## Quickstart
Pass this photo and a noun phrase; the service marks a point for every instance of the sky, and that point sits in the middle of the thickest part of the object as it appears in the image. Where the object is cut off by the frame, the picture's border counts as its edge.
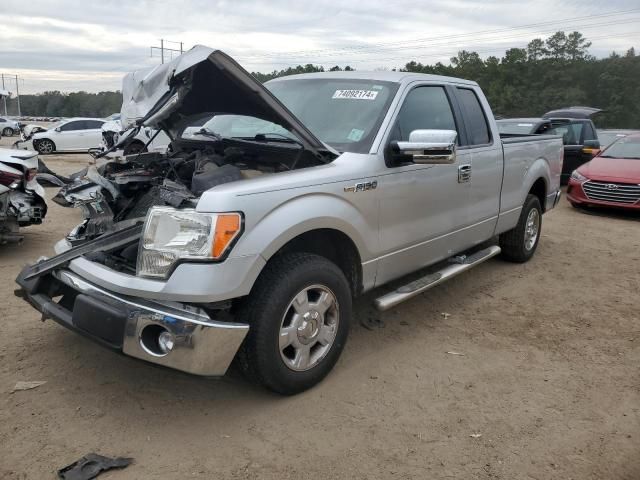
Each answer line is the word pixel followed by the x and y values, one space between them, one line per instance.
pixel 72 45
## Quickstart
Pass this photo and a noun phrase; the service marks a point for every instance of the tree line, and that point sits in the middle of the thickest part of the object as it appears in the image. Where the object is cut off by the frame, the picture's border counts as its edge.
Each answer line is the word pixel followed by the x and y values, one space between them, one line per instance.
pixel 548 73
pixel 76 104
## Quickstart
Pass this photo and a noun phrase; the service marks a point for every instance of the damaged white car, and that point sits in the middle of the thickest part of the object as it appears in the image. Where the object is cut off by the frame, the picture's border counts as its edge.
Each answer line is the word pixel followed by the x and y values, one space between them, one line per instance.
pixel 144 139
pixel 22 198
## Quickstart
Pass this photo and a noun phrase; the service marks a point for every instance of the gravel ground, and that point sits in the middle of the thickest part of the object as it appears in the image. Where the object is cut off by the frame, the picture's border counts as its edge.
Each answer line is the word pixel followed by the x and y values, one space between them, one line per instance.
pixel 547 385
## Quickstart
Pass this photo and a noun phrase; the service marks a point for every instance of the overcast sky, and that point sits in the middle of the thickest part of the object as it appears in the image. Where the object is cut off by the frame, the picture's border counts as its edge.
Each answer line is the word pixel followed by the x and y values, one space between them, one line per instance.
pixel 74 45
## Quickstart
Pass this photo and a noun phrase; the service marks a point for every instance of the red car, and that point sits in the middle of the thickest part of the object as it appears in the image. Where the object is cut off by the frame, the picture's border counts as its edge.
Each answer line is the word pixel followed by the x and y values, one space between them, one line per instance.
pixel 611 179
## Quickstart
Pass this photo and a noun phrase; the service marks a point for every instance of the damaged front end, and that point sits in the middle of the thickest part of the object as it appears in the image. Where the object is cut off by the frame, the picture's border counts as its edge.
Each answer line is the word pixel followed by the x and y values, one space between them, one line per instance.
pixel 108 280
pixel 224 127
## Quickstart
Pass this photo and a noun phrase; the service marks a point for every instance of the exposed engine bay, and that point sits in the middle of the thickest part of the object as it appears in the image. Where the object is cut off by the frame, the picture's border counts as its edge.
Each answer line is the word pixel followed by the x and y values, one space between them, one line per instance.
pixel 124 189
pixel 223 126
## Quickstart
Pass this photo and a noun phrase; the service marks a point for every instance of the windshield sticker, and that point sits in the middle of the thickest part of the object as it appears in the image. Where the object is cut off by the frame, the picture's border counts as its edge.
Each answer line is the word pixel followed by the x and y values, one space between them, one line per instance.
pixel 356 94
pixel 355 135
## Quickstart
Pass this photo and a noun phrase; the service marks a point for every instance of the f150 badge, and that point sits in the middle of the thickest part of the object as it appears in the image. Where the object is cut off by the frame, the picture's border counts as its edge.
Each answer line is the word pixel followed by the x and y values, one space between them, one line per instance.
pixel 362 187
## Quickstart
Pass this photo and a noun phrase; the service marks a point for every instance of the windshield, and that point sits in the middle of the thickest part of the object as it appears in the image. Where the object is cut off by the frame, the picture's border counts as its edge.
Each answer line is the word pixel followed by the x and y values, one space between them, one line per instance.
pixel 234 126
pixel 624 148
pixel 344 113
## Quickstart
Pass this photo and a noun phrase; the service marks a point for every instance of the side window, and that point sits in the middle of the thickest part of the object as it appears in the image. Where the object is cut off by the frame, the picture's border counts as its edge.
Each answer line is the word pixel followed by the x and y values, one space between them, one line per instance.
pixel 424 108
pixel 67 127
pixel 93 124
pixel 2 120
pixel 474 118
pixel 571 133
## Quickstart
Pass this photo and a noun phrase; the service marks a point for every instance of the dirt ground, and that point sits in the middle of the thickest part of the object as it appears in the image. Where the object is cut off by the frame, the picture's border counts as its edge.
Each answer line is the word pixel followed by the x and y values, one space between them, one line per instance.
pixel 547 386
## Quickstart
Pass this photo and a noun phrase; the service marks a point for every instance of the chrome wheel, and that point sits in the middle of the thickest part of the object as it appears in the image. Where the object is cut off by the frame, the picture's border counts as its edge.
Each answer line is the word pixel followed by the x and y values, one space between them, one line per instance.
pixel 308 328
pixel 45 146
pixel 532 228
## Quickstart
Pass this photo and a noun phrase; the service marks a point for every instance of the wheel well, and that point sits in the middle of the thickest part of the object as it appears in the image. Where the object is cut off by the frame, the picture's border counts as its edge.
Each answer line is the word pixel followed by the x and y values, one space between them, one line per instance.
pixel 539 189
pixel 334 246
pixel 136 142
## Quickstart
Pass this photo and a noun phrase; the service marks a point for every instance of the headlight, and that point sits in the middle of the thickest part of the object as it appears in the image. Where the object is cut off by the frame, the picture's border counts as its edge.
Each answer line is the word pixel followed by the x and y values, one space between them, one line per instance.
pixel 578 177
pixel 171 235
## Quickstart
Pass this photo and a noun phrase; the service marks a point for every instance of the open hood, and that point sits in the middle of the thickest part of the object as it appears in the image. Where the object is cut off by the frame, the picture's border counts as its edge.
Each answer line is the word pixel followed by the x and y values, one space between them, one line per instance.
pixel 203 80
pixel 572 112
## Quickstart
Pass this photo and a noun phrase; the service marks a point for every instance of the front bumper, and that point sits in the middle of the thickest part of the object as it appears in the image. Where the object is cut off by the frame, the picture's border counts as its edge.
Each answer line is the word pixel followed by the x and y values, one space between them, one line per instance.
pixel 190 282
pixel 203 346
pixel 577 196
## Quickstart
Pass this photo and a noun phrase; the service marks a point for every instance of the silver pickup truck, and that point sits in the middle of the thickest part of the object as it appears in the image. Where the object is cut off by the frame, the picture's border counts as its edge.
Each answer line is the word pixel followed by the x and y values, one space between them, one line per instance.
pixel 278 204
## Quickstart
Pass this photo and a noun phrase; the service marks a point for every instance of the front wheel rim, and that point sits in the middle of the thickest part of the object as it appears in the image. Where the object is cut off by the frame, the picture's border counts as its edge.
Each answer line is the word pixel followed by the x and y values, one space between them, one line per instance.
pixel 308 328
pixel 46 147
pixel 532 228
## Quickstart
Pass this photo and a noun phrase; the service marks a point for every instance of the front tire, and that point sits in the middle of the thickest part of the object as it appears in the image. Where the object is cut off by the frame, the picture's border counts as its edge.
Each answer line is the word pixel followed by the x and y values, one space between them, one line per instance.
pixel 7 132
pixel 519 244
pixel 298 313
pixel 45 146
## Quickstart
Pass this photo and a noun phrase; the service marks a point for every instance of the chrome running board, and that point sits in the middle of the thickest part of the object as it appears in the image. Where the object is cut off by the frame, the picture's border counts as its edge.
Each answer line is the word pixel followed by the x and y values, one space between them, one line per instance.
pixel 458 264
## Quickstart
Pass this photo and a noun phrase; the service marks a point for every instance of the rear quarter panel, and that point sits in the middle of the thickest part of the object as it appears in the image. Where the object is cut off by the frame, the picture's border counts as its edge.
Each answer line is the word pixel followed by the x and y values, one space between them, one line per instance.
pixel 527 159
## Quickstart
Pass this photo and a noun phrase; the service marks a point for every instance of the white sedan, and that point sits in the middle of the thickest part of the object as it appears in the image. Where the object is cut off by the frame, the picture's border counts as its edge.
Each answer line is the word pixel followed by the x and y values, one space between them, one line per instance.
pixel 71 135
pixel 8 127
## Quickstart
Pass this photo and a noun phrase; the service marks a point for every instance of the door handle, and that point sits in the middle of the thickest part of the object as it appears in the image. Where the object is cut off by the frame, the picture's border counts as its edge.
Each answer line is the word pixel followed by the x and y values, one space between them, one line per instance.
pixel 464 173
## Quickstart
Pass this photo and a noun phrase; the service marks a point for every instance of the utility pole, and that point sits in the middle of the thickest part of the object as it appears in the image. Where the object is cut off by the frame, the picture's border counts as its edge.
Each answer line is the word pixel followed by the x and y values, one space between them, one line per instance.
pixel 4 99
pixel 18 97
pixel 164 49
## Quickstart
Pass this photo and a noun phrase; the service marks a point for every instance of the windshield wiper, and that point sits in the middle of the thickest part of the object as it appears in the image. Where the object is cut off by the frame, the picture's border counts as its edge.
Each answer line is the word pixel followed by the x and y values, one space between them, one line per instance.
pixel 262 137
pixel 205 132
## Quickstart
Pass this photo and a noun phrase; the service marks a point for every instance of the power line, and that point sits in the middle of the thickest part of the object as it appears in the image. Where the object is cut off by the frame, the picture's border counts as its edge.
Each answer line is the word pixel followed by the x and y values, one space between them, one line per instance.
pixel 452 53
pixel 501 37
pixel 443 37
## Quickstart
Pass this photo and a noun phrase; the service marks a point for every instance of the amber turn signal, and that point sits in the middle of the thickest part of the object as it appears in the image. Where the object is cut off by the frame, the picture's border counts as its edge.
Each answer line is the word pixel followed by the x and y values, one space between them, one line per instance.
pixel 227 229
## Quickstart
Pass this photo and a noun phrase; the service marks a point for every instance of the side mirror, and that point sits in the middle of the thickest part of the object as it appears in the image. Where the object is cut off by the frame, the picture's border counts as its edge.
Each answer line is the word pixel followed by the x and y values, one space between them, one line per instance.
pixel 591 147
pixel 57 129
pixel 429 147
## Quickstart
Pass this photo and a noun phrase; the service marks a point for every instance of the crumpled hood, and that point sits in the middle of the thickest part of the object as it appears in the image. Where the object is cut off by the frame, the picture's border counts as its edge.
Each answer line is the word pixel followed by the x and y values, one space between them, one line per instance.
pixel 112 126
pixel 200 81
pixel 29 129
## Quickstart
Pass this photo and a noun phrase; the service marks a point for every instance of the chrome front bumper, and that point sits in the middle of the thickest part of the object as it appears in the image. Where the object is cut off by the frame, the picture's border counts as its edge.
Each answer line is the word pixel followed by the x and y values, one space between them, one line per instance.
pixel 203 346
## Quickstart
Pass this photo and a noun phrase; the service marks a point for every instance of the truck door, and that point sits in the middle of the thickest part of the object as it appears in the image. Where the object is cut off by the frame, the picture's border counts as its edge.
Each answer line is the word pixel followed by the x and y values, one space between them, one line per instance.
pixel 483 172
pixel 423 208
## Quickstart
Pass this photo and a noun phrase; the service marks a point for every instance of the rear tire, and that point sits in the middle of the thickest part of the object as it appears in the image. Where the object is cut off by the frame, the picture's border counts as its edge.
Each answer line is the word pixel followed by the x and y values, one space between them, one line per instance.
pixel 45 146
pixel 519 244
pixel 7 132
pixel 298 313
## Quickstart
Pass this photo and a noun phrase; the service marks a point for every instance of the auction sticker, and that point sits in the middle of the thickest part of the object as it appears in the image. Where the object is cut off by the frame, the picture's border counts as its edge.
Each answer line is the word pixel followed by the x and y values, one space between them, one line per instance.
pixel 356 94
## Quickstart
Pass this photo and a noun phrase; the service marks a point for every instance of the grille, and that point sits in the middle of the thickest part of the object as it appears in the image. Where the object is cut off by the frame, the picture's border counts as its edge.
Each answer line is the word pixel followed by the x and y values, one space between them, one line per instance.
pixel 612 192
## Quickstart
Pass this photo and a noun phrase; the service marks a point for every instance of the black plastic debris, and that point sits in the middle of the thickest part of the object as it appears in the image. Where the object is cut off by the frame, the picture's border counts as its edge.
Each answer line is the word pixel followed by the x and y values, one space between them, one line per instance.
pixel 90 466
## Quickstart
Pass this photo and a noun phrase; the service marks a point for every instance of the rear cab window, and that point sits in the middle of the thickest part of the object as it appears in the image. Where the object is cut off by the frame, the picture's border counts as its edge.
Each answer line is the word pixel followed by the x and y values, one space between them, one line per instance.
pixel 475 120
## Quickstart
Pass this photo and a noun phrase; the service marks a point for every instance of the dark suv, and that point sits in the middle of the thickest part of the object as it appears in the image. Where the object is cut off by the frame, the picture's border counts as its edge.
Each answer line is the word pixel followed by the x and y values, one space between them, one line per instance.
pixel 573 124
